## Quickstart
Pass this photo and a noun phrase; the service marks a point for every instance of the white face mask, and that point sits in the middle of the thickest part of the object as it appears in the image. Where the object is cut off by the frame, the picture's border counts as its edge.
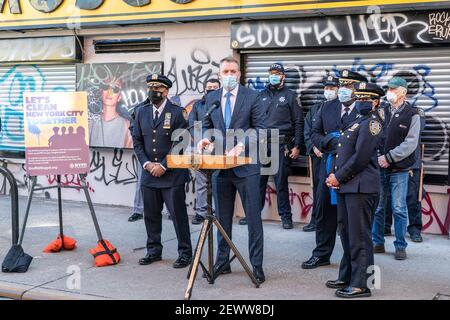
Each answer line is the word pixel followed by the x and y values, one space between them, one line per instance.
pixel 391 97
pixel 330 94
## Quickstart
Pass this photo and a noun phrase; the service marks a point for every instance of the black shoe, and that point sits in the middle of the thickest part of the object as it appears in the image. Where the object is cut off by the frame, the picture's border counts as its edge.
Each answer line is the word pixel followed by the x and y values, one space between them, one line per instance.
pixel 198 219
pixel 416 237
pixel 217 268
pixel 336 284
pixel 379 248
pixel 309 228
pixel 135 217
pixel 315 262
pixel 243 221
pixel 182 262
pixel 148 259
pixel 259 274
pixel 351 292
pixel 287 223
pixel 400 254
pixel 387 232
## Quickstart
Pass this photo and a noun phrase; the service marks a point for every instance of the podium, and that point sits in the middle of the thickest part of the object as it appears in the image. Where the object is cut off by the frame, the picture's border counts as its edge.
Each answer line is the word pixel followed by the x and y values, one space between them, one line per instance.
pixel 207 164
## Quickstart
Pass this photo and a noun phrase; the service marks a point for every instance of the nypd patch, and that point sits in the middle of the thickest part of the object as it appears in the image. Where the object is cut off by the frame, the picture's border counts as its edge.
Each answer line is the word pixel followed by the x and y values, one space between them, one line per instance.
pixel 375 127
pixel 381 114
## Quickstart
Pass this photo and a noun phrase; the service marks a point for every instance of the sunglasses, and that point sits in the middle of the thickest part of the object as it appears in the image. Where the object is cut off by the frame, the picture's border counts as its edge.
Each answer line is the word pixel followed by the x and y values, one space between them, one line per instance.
pixel 105 87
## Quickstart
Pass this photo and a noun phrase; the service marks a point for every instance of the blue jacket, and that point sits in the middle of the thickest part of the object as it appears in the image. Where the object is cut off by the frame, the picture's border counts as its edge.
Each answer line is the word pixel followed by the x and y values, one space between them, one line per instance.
pixel 247 114
pixel 153 142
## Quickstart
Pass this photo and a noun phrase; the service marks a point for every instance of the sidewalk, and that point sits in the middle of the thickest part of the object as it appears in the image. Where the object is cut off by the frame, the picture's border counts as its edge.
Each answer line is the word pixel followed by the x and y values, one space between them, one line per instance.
pixel 423 275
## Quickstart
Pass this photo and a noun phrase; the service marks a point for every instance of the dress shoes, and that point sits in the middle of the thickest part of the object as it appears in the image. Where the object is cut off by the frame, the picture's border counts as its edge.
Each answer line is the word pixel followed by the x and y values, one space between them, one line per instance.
pixel 336 284
pixel 182 262
pixel 315 262
pixel 379 248
pixel 148 259
pixel 259 274
pixel 351 292
pixel 309 228
pixel 198 219
pixel 135 217
pixel 243 221
pixel 286 223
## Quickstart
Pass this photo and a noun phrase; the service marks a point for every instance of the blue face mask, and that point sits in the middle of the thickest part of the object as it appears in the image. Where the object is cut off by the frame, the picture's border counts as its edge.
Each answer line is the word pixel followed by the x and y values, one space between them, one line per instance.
pixel 345 94
pixel 363 107
pixel 274 79
pixel 229 82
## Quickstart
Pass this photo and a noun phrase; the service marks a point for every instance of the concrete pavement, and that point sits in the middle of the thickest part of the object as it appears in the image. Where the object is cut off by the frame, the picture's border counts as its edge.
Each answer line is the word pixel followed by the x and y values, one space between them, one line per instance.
pixel 423 275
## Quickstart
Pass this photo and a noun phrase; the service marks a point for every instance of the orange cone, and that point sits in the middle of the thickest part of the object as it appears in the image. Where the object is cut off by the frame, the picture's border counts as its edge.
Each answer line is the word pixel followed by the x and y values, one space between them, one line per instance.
pixel 57 245
pixel 105 254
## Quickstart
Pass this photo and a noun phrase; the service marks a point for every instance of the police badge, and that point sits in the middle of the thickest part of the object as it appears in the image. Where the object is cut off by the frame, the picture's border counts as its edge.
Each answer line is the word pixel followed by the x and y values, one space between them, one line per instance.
pixel 167 118
pixel 375 127
pixel 282 99
pixel 381 114
pixel 356 125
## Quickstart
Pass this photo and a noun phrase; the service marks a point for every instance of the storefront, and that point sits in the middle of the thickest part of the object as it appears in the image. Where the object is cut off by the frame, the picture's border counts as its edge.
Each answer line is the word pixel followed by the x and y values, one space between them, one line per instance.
pixel 115 43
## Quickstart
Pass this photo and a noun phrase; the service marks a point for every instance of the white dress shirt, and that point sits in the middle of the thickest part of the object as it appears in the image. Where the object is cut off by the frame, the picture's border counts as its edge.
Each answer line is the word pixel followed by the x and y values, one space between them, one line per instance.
pixel 349 110
pixel 234 94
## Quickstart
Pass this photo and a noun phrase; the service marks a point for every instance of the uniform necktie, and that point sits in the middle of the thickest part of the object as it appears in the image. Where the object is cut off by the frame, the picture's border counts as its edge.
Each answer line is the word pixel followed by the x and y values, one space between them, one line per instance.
pixel 346 115
pixel 156 116
pixel 228 110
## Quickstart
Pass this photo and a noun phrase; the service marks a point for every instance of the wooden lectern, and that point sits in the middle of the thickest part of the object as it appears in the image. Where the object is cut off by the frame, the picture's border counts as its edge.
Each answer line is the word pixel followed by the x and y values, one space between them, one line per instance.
pixel 207 164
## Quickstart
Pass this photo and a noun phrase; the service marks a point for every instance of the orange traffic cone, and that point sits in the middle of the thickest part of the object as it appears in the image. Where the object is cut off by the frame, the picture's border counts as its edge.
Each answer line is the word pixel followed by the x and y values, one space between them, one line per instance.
pixel 57 245
pixel 105 254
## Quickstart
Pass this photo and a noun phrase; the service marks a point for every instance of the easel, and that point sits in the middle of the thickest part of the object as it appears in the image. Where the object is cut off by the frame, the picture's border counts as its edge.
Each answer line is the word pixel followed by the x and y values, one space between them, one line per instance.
pixel 59 187
pixel 207 165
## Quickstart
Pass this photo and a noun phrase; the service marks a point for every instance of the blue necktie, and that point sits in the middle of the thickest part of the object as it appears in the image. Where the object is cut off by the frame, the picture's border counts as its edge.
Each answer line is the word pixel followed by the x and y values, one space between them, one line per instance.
pixel 228 110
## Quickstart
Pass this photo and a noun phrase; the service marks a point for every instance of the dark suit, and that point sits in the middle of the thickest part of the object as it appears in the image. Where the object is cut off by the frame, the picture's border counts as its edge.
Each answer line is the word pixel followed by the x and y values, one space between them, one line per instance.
pixel 357 171
pixel 328 123
pixel 152 142
pixel 244 179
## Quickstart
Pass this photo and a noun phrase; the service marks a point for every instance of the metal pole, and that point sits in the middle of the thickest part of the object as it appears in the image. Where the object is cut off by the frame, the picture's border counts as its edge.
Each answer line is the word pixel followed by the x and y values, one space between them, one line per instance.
pixel 61 231
pixel 14 203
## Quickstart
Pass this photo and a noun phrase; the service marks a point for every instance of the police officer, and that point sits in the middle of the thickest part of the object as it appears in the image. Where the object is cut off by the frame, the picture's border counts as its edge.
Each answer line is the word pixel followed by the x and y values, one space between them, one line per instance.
pixel 356 176
pixel 283 113
pixel 330 91
pixel 333 116
pixel 152 133
pixel 197 114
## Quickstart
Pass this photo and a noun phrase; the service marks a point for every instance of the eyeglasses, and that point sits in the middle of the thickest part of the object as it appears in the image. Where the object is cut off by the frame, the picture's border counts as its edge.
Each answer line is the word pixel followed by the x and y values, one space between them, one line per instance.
pixel 115 89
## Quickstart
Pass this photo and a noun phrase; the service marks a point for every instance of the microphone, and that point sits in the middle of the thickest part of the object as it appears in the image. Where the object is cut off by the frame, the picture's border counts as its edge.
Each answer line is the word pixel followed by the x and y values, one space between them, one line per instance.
pixel 214 106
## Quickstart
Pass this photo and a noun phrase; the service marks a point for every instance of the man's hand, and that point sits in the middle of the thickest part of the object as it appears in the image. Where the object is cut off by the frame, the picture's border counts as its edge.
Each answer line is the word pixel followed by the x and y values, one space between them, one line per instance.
pixel 383 162
pixel 295 152
pixel 157 170
pixel 203 144
pixel 236 151
pixel 332 182
pixel 317 152
pixel 149 167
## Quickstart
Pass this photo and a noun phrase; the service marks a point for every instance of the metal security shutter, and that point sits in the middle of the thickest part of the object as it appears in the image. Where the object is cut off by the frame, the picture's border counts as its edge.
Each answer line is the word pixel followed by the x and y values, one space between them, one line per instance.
pixel 427 70
pixel 14 81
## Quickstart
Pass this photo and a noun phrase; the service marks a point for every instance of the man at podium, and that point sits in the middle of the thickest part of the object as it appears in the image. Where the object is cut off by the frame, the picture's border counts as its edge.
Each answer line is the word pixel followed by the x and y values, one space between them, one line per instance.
pixel 238 109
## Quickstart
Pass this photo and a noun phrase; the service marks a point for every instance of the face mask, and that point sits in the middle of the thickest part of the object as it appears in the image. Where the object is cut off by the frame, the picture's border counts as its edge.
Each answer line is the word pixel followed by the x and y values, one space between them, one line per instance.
pixel 391 97
pixel 209 91
pixel 229 83
pixel 155 96
pixel 363 107
pixel 345 94
pixel 274 79
pixel 330 94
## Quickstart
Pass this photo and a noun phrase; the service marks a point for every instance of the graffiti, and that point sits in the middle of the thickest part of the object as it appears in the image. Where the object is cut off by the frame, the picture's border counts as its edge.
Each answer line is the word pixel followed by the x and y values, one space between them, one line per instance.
pixel 193 77
pixel 350 30
pixel 119 171
pixel 69 180
pixel 439 25
pixel 304 200
pixel 433 217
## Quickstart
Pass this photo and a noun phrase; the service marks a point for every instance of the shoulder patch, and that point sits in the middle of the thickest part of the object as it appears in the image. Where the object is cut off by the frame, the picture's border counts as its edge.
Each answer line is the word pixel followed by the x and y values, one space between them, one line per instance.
pixel 375 127
pixel 185 114
pixel 420 112
pixel 381 114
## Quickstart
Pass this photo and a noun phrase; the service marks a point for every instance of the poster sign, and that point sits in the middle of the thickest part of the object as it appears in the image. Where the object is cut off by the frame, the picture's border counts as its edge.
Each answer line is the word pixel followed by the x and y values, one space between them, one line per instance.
pixel 114 89
pixel 56 133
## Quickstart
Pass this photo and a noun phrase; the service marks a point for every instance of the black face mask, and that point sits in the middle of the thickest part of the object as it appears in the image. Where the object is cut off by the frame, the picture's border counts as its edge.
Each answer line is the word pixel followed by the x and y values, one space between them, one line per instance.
pixel 209 91
pixel 155 96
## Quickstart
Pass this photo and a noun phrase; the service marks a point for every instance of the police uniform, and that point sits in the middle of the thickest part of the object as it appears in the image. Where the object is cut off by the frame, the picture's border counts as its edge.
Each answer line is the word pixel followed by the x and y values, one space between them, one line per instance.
pixel 329 121
pixel 356 169
pixel 152 133
pixel 282 112
pixel 310 119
